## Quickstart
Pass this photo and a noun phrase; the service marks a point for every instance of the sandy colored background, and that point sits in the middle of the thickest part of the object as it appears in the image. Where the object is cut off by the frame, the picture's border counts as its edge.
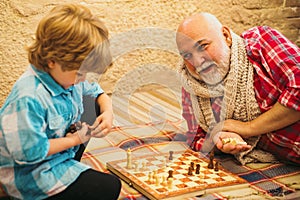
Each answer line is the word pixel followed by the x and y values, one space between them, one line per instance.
pixel 141 31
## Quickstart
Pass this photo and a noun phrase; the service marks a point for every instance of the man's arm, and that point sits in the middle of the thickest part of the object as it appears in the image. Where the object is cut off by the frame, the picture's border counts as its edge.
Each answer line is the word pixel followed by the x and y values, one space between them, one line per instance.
pixel 276 118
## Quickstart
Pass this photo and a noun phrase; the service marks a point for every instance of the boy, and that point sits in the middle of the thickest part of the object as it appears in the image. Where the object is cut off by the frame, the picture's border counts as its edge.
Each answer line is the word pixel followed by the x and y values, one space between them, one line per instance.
pixel 37 152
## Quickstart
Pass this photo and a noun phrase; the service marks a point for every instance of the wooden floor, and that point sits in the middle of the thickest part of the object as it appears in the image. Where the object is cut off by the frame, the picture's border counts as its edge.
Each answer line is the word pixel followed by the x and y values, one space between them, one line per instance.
pixel 148 106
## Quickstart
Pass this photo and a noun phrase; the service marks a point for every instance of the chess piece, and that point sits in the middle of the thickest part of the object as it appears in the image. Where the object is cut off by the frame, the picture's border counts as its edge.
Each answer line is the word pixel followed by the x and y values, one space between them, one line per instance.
pixel 155 174
pixel 129 161
pixel 197 169
pixel 210 164
pixel 165 163
pixel 144 165
pixel 190 171
pixel 170 174
pixel 216 166
pixel 164 181
pixel 171 155
pixel 211 160
pixel 157 180
pixel 192 165
pixel 150 177
pixel 170 183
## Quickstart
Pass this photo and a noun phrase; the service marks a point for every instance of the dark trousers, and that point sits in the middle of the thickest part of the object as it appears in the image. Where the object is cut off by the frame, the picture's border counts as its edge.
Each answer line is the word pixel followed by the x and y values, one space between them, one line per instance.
pixel 91 185
pixel 91 112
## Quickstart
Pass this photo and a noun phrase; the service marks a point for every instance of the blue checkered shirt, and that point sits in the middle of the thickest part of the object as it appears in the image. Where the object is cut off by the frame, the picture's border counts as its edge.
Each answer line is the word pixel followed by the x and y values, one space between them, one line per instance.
pixel 36 110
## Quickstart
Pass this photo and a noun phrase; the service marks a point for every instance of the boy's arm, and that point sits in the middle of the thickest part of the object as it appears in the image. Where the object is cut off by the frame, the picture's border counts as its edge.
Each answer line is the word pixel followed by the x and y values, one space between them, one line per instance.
pixel 105 103
pixel 103 123
pixel 72 139
pixel 60 144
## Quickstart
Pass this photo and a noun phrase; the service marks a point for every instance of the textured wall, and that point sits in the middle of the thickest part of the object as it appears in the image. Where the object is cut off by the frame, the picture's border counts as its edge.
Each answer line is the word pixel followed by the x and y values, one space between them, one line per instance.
pixel 142 33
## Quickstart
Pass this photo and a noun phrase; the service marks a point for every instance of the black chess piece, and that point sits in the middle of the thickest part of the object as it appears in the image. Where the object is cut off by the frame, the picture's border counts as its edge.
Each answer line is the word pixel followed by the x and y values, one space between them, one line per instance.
pixel 216 166
pixel 171 155
pixel 192 165
pixel 190 171
pixel 170 174
pixel 211 160
pixel 197 169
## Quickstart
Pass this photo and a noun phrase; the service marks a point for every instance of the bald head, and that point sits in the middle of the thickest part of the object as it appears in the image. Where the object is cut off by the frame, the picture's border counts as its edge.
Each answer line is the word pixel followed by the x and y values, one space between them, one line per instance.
pixel 199 23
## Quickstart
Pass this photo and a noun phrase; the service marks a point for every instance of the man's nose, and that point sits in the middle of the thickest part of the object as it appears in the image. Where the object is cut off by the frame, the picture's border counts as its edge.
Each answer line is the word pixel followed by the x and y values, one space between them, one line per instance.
pixel 198 60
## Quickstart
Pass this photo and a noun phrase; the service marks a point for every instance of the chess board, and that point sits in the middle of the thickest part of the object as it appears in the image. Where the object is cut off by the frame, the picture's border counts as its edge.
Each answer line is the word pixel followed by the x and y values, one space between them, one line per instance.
pixel 140 176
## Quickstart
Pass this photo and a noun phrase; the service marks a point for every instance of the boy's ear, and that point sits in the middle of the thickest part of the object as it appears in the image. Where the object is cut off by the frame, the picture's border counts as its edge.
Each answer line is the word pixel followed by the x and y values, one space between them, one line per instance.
pixel 51 63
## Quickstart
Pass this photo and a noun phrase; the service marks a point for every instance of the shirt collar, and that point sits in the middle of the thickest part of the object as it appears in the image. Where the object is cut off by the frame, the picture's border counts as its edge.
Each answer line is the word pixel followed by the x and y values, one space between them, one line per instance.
pixel 49 83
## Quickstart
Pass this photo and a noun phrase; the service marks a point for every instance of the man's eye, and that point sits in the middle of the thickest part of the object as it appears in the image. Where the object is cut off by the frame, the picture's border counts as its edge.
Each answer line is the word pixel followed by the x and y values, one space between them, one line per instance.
pixel 187 56
pixel 201 47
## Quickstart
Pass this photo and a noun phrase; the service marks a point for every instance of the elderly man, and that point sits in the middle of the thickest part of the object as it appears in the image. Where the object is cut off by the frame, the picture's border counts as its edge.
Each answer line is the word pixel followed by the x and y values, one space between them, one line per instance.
pixel 244 89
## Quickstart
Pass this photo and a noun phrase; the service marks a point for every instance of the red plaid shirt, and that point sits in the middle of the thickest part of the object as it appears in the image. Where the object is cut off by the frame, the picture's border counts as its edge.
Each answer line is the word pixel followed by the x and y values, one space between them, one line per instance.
pixel 276 63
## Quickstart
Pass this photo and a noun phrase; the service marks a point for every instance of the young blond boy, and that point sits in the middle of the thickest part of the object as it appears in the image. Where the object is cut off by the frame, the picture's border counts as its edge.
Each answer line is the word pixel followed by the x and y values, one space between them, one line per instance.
pixel 37 153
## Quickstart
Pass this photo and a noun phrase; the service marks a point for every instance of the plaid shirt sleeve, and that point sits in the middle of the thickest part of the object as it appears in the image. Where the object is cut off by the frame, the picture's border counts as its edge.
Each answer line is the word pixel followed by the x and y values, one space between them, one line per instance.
pixel 277 63
pixel 195 134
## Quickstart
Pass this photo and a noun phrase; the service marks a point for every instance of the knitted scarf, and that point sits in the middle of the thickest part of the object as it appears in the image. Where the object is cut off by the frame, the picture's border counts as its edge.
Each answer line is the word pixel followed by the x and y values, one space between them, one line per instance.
pixel 237 90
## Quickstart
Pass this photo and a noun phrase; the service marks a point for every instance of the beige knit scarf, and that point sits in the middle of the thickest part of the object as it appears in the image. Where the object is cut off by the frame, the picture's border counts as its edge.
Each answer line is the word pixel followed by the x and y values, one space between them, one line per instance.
pixel 238 95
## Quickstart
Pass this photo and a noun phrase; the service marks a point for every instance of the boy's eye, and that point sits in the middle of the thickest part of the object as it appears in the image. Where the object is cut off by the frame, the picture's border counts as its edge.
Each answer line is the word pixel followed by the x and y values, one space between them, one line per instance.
pixel 79 74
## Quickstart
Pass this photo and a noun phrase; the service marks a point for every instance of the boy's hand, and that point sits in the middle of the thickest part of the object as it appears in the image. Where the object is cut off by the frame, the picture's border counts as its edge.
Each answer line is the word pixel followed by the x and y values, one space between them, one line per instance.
pixel 102 125
pixel 80 135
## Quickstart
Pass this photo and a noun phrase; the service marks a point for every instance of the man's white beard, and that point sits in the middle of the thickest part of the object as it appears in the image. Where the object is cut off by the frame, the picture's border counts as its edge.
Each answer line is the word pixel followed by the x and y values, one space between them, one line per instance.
pixel 220 71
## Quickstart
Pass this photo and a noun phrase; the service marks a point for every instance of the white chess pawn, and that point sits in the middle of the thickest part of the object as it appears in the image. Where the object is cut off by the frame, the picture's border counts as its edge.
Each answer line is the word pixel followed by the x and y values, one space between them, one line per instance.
pixel 129 161
pixel 144 165
pixel 164 181
pixel 170 183
pixel 157 178
pixel 150 177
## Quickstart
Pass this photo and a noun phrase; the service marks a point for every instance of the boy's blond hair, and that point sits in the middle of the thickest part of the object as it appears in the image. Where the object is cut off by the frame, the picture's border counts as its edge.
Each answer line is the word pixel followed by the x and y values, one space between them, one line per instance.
pixel 71 36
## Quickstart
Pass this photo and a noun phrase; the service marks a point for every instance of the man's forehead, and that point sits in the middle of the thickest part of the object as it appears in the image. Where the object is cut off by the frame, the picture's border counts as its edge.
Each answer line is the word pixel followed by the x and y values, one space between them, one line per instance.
pixel 187 42
pixel 192 35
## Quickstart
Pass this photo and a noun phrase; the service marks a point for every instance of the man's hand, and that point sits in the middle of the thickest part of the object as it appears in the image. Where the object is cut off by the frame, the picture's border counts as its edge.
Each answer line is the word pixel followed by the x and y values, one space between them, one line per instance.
pixel 229 142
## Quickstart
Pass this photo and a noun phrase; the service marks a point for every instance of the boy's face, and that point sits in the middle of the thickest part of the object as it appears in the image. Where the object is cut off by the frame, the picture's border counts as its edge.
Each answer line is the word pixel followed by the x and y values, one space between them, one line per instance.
pixel 65 78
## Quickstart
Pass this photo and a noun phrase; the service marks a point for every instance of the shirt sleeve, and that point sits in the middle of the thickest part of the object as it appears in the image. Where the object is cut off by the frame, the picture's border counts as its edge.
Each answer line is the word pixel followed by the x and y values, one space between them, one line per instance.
pixel 22 125
pixel 187 112
pixel 277 60
pixel 91 89
pixel 195 134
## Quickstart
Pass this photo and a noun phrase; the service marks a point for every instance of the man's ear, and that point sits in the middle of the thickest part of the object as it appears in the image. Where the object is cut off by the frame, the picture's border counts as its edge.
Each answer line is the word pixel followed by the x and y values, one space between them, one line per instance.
pixel 227 35
pixel 51 63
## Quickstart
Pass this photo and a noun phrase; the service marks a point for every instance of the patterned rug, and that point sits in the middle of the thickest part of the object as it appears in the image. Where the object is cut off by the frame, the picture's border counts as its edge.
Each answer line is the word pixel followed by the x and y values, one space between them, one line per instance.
pixel 267 181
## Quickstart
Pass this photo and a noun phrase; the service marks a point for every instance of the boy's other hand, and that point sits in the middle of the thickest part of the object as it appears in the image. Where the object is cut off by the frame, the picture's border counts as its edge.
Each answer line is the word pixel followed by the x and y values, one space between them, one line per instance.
pixel 102 125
